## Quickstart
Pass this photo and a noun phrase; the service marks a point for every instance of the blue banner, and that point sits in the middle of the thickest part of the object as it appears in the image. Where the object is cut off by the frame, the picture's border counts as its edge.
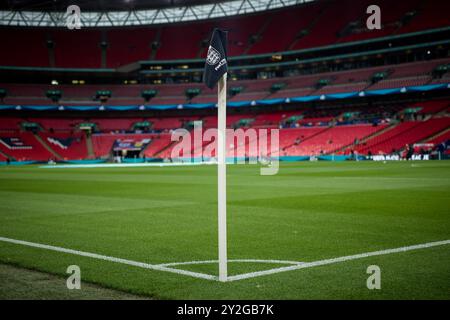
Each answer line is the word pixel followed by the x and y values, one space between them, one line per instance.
pixel 235 104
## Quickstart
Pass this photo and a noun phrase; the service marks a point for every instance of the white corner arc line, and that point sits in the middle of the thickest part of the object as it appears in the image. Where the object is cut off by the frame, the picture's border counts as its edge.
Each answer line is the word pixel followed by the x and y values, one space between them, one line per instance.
pixel 336 260
pixel 164 267
pixel 173 264
pixel 111 259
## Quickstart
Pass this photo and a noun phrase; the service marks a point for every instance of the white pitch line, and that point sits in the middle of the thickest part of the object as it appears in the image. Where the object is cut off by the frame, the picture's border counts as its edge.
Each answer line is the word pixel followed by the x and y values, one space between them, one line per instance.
pixel 172 264
pixel 111 259
pixel 336 260
pixel 164 267
pixel 124 165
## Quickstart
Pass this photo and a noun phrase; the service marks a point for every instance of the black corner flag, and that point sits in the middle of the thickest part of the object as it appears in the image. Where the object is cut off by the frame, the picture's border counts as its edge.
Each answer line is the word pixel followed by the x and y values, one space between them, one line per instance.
pixel 216 60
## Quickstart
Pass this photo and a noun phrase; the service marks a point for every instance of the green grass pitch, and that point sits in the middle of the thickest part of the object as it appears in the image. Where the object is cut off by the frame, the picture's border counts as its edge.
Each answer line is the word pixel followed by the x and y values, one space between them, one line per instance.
pixel 307 212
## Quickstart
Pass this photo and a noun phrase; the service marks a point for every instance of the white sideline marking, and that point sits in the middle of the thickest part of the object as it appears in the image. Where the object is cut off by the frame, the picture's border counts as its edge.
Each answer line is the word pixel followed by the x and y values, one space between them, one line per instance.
pixel 296 265
pixel 112 259
pixel 124 165
pixel 336 260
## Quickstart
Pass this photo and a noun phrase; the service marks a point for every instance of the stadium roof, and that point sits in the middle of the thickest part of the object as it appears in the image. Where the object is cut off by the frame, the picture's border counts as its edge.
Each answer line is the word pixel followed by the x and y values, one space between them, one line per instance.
pixel 118 13
pixel 99 5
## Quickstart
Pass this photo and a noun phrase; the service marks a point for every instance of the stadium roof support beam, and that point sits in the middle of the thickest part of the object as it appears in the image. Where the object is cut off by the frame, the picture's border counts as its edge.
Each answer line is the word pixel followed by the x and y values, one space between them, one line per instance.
pixel 144 17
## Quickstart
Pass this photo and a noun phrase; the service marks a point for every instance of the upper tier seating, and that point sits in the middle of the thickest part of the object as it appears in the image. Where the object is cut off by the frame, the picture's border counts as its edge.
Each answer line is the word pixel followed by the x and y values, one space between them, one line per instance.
pixel 401 82
pixel 392 14
pixel 277 38
pixel 23 47
pixel 129 45
pixel 430 14
pixel 75 49
pixel 344 81
pixel 323 23
pixel 174 44
pixel 330 21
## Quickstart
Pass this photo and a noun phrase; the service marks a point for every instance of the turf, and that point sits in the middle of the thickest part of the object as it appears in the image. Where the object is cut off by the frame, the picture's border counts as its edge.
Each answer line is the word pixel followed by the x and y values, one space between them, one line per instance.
pixel 20 284
pixel 307 212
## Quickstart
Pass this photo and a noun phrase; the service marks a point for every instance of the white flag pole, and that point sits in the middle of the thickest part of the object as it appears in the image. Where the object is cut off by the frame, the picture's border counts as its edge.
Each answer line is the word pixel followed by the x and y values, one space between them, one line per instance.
pixel 222 176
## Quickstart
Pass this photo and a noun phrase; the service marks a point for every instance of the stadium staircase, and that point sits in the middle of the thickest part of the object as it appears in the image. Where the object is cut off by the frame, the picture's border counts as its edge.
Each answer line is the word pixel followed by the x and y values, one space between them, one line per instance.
pixel 433 137
pixel 408 132
pixel 6 156
pixel 286 148
pixel 419 8
pixel 308 28
pixel 441 113
pixel 46 146
pixel 51 53
pixel 436 136
pixel 103 53
pixel 157 40
pixel 365 139
pixel 90 147
pixel 170 145
pixel 259 35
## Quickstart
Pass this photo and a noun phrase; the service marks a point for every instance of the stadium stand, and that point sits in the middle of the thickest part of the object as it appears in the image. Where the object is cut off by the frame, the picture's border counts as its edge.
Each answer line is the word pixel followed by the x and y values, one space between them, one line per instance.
pixel 157 145
pixel 173 43
pixel 271 39
pixel 68 146
pixel 17 53
pixel 70 51
pixel 440 138
pixel 289 137
pixel 24 146
pixel 311 25
pixel 332 139
pixel 127 46
pixel 401 75
pixel 310 130
pixel 429 14
pixel 103 142
pixel 107 125
pixel 431 107
pixel 405 133
pixel 9 124
pixel 401 82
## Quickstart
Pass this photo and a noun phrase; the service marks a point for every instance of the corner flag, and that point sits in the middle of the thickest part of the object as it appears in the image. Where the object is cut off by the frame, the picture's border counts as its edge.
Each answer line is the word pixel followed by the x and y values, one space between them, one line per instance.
pixel 216 60
pixel 216 68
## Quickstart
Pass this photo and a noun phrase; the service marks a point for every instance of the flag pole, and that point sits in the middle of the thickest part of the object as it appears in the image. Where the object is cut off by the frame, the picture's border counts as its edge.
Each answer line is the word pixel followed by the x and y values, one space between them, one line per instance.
pixel 222 177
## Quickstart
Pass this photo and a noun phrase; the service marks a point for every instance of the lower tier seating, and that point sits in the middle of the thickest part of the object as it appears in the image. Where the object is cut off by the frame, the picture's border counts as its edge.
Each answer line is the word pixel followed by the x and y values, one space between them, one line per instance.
pixel 305 131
